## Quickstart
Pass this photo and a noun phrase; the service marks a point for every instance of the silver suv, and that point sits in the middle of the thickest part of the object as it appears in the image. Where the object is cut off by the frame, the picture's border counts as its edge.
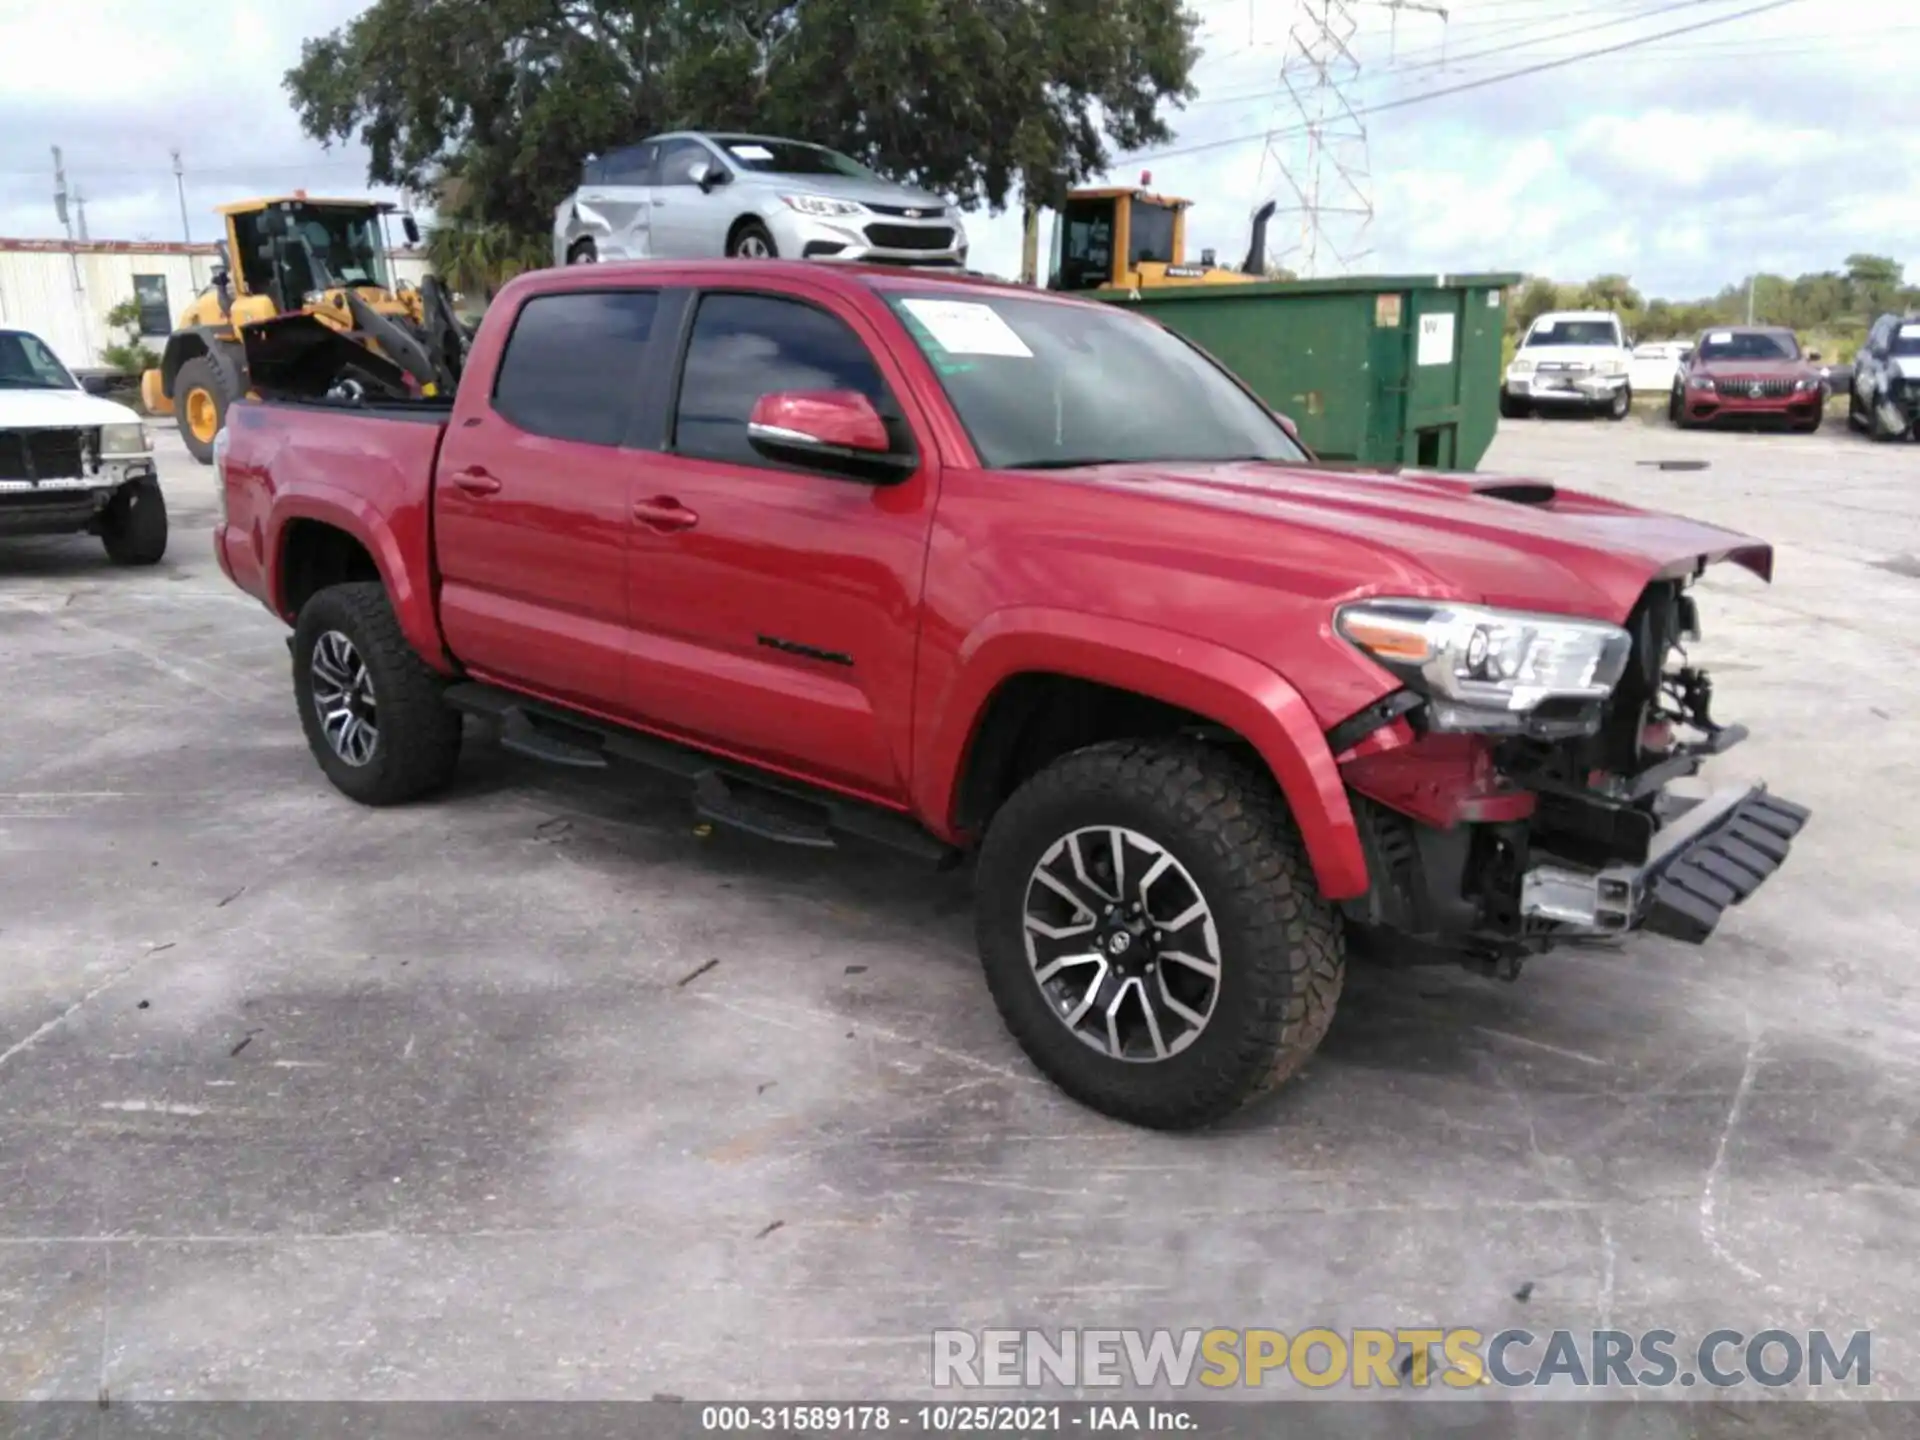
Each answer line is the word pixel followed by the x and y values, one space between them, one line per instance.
pixel 692 196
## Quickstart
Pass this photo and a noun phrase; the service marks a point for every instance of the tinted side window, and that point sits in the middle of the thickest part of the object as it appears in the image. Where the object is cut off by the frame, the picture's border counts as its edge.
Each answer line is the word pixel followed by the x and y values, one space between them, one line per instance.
pixel 677 157
pixel 573 364
pixel 632 166
pixel 746 346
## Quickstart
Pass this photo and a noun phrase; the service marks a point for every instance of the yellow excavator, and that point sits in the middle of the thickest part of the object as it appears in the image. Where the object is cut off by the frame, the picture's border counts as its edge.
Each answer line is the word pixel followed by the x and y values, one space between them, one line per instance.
pixel 302 305
pixel 1116 238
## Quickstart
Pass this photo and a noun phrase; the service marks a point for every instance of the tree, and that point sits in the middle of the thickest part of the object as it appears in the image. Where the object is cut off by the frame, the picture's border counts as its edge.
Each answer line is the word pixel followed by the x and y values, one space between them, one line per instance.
pixel 1534 299
pixel 968 97
pixel 477 259
pixel 129 355
pixel 1875 281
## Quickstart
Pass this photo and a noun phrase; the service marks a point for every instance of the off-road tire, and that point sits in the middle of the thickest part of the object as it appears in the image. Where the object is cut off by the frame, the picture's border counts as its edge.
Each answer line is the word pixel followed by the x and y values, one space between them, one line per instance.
pixel 751 229
pixel 219 375
pixel 1282 951
pixel 133 527
pixel 419 733
pixel 1512 408
pixel 583 252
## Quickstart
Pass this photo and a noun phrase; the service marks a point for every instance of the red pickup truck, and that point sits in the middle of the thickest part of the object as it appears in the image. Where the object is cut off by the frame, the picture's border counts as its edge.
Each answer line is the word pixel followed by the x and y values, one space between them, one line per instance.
pixel 976 570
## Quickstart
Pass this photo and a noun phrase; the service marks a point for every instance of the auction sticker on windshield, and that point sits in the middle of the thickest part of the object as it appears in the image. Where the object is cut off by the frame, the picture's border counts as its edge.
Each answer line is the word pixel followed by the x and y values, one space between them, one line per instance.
pixel 750 152
pixel 965 327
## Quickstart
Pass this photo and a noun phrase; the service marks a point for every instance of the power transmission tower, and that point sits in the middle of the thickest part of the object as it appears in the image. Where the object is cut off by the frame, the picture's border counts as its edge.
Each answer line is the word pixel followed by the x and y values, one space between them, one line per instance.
pixel 1318 144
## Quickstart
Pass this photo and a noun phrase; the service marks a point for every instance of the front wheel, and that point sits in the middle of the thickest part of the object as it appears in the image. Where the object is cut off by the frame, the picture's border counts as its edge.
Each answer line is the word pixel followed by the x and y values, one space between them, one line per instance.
pixel 1882 429
pixel 133 527
pixel 753 241
pixel 202 391
pixel 1151 933
pixel 1621 404
pixel 1677 409
pixel 372 710
pixel 1512 408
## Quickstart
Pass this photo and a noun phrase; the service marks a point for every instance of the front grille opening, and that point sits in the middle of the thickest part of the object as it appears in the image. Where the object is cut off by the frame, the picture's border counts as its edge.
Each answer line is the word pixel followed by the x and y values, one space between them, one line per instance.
pixel 49 454
pixel 911 237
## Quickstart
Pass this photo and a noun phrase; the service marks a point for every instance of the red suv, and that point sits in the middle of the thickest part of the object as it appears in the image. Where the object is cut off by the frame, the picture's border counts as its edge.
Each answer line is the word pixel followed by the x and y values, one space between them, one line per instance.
pixel 1748 372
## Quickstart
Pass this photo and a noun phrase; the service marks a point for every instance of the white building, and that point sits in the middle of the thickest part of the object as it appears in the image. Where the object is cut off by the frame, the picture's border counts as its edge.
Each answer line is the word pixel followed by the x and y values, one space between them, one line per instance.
pixel 62 291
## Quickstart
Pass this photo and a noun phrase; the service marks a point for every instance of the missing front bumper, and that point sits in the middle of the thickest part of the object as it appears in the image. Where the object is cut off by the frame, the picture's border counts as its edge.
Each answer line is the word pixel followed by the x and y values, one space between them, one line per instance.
pixel 1706 861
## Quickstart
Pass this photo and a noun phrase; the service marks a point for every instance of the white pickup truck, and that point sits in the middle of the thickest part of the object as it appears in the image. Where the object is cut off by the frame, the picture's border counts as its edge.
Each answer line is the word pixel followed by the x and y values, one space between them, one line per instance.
pixel 1570 359
pixel 71 462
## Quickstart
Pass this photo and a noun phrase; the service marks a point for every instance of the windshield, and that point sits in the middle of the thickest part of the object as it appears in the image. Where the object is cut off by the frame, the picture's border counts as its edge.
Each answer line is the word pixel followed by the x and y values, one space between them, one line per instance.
pixel 27 364
pixel 1573 332
pixel 1906 339
pixel 1039 383
pixel 344 246
pixel 1746 345
pixel 790 157
pixel 1151 236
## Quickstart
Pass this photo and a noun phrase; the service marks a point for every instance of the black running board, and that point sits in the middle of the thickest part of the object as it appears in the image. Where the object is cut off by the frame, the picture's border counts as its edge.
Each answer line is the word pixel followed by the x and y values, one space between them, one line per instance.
pixel 725 793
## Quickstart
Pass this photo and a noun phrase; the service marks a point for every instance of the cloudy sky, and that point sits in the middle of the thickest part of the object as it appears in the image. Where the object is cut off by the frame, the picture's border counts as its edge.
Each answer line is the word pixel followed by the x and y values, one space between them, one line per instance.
pixel 1781 141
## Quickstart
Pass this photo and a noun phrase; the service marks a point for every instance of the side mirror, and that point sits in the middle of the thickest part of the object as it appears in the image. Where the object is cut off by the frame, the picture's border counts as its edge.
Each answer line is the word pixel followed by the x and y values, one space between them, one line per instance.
pixel 1814 356
pixel 1686 357
pixel 706 174
pixel 828 429
pixel 411 227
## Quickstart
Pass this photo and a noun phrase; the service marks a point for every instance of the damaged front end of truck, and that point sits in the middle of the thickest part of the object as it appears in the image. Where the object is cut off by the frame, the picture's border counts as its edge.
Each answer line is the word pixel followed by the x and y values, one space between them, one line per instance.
pixel 1526 787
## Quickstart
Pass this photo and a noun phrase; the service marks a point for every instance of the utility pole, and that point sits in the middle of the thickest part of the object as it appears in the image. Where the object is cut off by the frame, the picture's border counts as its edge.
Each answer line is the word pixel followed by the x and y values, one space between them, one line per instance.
pixel 1030 243
pixel 1321 153
pixel 73 255
pixel 180 185
pixel 80 215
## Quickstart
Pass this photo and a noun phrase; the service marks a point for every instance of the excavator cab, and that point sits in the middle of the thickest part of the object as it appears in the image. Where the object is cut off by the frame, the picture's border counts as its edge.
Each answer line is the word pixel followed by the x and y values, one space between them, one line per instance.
pixel 1115 238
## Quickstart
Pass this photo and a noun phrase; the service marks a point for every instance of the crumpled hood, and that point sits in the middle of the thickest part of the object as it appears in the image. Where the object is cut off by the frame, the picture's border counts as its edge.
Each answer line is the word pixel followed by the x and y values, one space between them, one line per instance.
pixel 25 409
pixel 1524 544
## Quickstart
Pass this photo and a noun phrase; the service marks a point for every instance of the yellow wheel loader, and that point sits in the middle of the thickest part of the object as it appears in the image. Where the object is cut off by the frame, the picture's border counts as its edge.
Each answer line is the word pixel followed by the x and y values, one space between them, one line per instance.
pixel 302 306
pixel 1132 239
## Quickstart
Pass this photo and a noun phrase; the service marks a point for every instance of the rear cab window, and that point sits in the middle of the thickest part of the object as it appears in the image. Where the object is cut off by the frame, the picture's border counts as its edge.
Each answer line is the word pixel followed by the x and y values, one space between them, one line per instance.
pixel 575 363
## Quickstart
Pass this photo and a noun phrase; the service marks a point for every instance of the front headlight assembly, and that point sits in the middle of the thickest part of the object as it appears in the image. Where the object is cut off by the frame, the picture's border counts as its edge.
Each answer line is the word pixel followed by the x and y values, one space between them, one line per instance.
pixel 1491 671
pixel 125 440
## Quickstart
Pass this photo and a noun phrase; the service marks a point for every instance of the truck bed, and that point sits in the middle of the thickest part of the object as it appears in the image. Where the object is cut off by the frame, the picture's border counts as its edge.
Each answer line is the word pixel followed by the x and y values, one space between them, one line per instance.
pixel 364 468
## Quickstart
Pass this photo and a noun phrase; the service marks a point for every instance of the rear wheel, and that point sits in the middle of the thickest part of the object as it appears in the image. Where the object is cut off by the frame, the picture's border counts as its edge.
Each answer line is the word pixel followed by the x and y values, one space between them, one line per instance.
pixel 752 241
pixel 202 390
pixel 133 527
pixel 1151 933
pixel 373 712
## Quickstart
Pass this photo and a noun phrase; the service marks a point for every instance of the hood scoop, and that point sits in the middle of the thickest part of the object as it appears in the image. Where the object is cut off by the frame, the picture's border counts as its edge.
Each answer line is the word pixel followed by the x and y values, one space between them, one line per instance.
pixel 1520 492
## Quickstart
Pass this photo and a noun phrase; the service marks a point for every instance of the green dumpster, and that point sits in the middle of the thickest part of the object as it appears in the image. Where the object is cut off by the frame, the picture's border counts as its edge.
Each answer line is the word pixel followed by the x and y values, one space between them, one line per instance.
pixel 1376 370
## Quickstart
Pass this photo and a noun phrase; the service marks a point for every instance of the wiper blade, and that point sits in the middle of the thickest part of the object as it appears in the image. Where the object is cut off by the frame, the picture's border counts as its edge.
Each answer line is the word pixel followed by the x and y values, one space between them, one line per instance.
pixel 1080 463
